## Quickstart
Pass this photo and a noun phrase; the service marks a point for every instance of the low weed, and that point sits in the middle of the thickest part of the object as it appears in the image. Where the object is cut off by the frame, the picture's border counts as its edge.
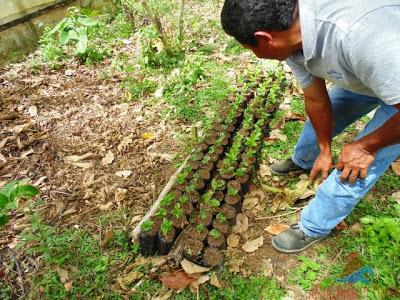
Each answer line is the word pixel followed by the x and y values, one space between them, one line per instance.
pixel 78 255
pixel 306 274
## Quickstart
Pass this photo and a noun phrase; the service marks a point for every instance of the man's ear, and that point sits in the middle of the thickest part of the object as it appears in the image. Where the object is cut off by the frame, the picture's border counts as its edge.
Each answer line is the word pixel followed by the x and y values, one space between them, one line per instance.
pixel 264 39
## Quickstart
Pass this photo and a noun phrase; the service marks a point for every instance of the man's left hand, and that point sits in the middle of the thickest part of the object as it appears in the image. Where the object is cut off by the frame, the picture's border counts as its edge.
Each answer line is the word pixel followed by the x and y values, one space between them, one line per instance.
pixel 354 161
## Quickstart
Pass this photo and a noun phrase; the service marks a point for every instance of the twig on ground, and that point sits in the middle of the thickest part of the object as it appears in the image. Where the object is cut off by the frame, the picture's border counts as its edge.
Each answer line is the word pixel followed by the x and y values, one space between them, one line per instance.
pixel 328 269
pixel 165 191
pixel 21 279
pixel 295 210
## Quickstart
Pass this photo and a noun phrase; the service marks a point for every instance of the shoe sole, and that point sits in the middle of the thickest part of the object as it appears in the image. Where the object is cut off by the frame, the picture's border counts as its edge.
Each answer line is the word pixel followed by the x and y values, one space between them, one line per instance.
pixel 297 250
pixel 291 171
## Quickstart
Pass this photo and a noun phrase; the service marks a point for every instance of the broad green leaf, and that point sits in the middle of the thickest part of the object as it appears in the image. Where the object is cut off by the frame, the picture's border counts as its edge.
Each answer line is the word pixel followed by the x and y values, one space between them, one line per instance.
pixel 65 37
pixel 11 205
pixel 9 188
pixel 73 35
pixel 81 46
pixel 3 201
pixel 87 21
pixel 367 220
pixel 3 219
pixel 26 191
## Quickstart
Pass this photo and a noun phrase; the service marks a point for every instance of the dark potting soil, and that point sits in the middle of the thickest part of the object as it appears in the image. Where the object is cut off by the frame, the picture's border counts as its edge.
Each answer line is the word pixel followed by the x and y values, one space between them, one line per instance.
pixel 187 208
pixel 208 166
pixel 176 193
pixel 194 164
pixel 233 184
pixel 190 175
pixel 249 160
pixel 214 157
pixel 198 235
pixel 204 174
pixel 202 147
pixel 219 150
pixel 219 195
pixel 192 249
pixel 212 257
pixel 233 200
pixel 194 197
pixel 179 223
pixel 197 156
pixel 219 243
pixel 229 212
pixel 243 180
pixel 199 184
pixel 205 220
pixel 148 240
pixel 220 164
pixel 223 227
pixel 210 140
pixel 165 242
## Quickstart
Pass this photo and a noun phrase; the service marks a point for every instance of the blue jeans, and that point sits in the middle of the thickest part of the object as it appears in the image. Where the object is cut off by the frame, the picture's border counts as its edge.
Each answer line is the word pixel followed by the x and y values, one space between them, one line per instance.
pixel 334 199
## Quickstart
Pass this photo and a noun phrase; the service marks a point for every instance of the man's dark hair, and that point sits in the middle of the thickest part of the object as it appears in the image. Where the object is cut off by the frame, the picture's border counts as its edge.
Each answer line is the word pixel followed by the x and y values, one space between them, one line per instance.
pixel 242 18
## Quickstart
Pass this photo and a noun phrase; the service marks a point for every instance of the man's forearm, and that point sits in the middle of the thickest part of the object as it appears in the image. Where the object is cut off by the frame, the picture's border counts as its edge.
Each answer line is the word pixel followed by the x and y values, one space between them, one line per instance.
pixel 387 134
pixel 319 110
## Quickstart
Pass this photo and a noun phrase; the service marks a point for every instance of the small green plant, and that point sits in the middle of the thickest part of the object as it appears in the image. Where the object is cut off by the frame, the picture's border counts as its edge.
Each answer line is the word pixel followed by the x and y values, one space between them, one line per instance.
pixel 240 171
pixel 253 139
pixel 184 199
pixel 206 159
pixel 221 217
pixel 181 178
pixel 167 200
pixel 306 274
pixel 200 228
pixel 190 188
pixel 166 226
pixel 232 192
pixel 203 213
pixel 217 184
pixel 161 212
pixel 215 233
pixel 213 202
pixel 9 196
pixel 207 196
pixel 177 212
pixel 147 225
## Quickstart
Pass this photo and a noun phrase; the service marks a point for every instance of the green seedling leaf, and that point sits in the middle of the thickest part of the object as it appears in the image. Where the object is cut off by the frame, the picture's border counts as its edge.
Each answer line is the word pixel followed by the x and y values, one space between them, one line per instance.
pixel 85 21
pixel 214 203
pixel 207 196
pixel 203 213
pixel 177 211
pixel 200 228
pixel 232 192
pixel 147 225
pixel 161 212
pixel 367 220
pixel 167 200
pixel 221 217
pixel 166 226
pixel 215 233
pixel 184 199
pixel 217 184
pixel 9 188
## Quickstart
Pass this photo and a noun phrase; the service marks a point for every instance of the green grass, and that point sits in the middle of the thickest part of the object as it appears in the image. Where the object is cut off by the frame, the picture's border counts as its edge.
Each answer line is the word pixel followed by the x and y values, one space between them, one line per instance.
pixel 91 268
pixel 235 288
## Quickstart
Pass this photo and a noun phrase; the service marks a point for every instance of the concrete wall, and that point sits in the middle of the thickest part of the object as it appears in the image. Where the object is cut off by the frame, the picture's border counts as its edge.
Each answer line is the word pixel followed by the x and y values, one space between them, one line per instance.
pixel 22 37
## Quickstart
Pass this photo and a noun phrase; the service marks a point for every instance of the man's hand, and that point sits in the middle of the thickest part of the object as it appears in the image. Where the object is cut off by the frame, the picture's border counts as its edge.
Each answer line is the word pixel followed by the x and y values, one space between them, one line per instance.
pixel 322 165
pixel 354 161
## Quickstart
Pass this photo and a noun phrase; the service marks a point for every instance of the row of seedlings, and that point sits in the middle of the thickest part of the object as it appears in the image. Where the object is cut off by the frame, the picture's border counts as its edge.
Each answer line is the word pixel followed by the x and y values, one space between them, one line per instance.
pixel 221 202
pixel 160 231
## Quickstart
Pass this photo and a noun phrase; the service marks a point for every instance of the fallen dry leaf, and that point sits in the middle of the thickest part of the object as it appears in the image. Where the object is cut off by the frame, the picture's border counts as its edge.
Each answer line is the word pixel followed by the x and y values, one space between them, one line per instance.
pixel 63 274
pixel 68 286
pixel 201 280
pixel 125 280
pixel 253 245
pixel 107 236
pixel 292 195
pixel 276 229
pixel 124 174
pixel 108 158
pixel 342 226
pixel 277 134
pixel 192 268
pixel 107 206
pixel 249 203
pixel 268 267
pixel 165 296
pixel 233 241
pixel 242 223
pixel 77 158
pixel 177 281
pixel 396 197
pixel 396 167
pixel 83 165
pixel 147 136
pixel 214 281
pixel 355 229
pixel 265 171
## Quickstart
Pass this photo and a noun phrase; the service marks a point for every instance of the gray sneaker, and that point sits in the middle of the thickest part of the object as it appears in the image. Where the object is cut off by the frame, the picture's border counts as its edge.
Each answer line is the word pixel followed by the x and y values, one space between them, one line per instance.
pixel 294 240
pixel 285 166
